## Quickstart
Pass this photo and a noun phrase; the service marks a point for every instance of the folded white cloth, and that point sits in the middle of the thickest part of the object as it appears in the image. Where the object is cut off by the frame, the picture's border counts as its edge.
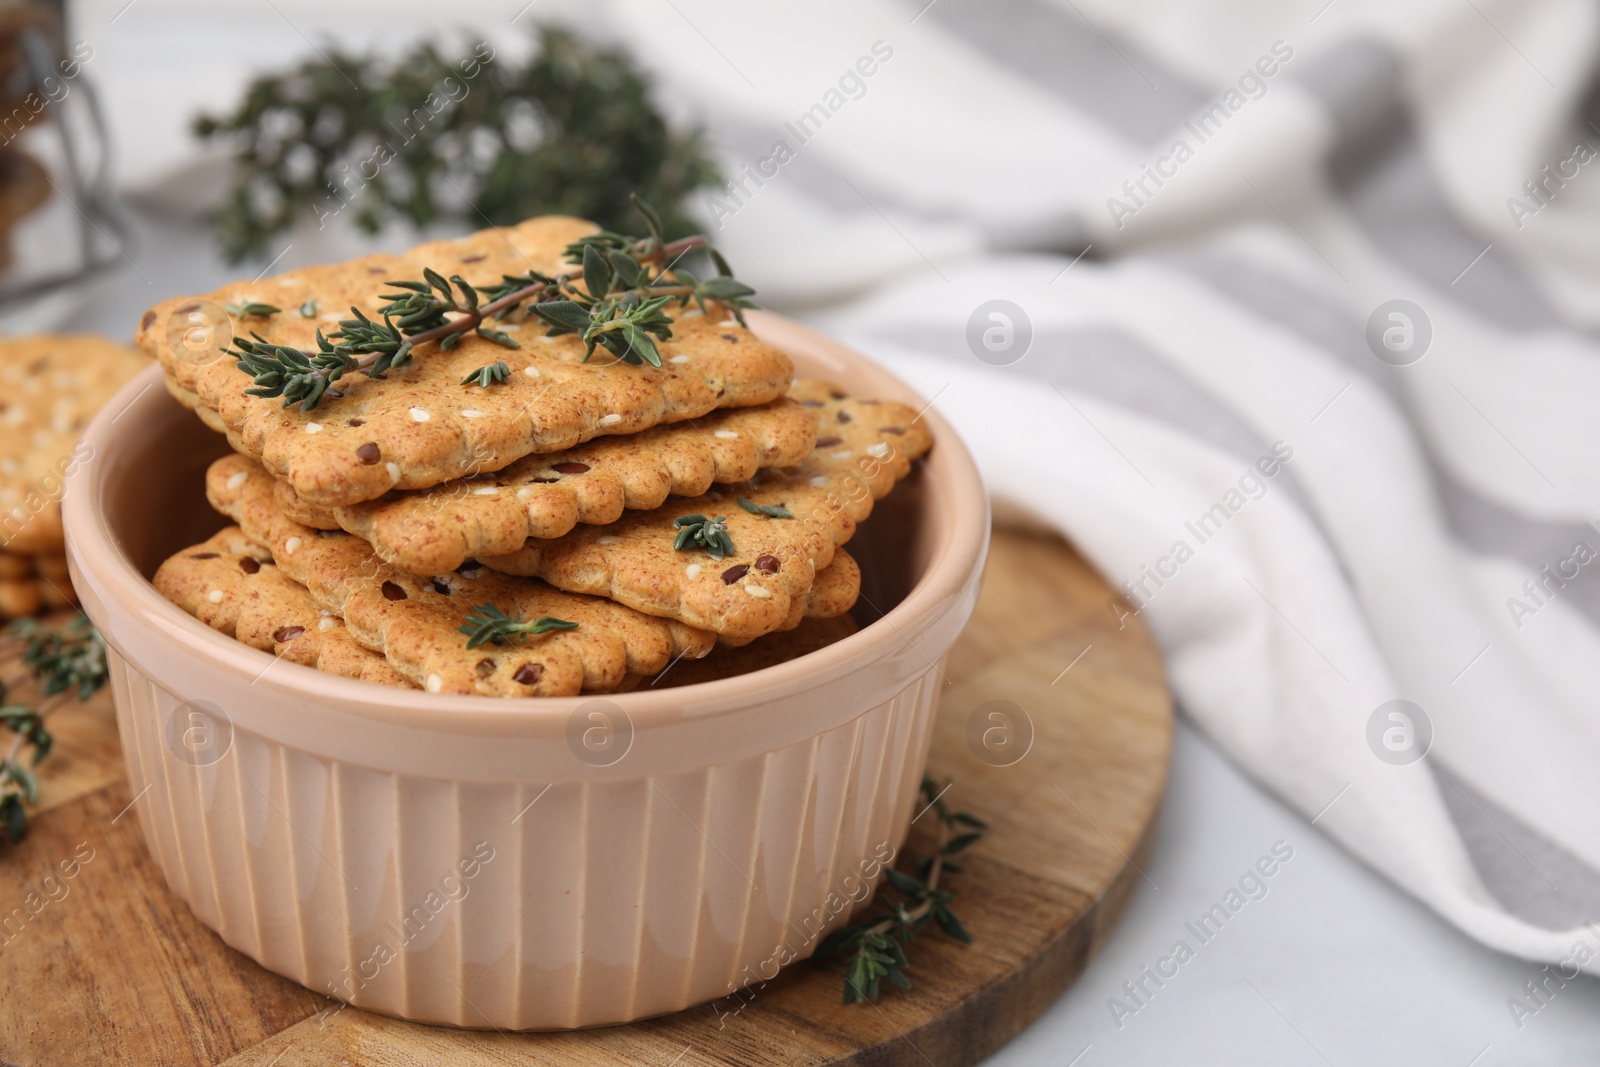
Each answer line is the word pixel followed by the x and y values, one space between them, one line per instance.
pixel 1320 501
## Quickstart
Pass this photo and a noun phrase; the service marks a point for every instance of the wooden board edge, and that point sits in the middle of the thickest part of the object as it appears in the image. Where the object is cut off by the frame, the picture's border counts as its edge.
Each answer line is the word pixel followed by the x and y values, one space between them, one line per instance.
pixel 993 1015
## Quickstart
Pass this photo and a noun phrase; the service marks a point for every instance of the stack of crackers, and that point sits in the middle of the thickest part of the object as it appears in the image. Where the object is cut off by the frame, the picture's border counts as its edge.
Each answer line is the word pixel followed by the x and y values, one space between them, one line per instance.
pixel 50 386
pixel 568 526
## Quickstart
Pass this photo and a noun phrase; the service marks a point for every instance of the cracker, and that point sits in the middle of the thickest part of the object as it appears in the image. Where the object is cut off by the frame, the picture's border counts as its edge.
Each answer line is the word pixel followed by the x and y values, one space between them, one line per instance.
pixel 769 651
pixel 232 585
pixel 50 386
pixel 31 584
pixel 20 597
pixel 315 516
pixel 432 531
pixel 834 592
pixel 414 620
pixel 865 447
pixel 420 426
pixel 57 593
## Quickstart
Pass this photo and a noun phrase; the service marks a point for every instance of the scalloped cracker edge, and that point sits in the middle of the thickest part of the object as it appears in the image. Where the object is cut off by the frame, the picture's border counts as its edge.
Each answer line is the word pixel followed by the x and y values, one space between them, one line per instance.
pixel 435 530
pixel 864 448
pixel 413 620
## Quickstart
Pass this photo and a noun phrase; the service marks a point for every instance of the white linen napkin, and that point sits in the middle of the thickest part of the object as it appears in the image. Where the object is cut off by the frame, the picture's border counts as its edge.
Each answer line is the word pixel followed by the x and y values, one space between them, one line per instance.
pixel 1197 315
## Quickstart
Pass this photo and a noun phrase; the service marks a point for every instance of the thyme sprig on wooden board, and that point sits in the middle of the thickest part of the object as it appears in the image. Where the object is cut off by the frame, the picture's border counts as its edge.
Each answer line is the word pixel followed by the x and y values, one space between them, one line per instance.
pixel 619 303
pixel 428 136
pixel 877 946
pixel 62 664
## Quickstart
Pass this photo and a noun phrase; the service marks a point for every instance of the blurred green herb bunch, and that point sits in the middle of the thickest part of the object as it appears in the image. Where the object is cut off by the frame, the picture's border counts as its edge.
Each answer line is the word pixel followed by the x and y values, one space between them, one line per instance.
pixel 480 138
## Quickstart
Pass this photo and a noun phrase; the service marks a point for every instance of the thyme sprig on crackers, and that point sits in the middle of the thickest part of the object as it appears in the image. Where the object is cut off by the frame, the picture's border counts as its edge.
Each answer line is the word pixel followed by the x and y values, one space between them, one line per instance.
pixel 489 625
pixel 71 660
pixel 697 531
pixel 877 946
pixel 619 303
pixel 364 346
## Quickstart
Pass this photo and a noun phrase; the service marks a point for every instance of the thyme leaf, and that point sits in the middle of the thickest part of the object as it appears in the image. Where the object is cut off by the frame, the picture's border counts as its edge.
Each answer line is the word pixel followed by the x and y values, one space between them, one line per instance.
pixel 250 309
pixel 771 511
pixel 487 376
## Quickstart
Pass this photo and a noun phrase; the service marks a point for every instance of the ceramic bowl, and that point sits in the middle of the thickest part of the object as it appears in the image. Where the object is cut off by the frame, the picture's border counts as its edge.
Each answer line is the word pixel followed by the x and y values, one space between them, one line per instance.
pixel 519 864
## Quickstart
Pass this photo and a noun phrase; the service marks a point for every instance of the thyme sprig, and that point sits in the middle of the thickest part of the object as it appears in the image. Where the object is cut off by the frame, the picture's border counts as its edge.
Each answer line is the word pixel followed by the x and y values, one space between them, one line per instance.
pixel 489 625
pixel 626 286
pixel 879 943
pixel 697 531
pixel 61 664
pixel 59 660
pixel 363 345
pixel 628 282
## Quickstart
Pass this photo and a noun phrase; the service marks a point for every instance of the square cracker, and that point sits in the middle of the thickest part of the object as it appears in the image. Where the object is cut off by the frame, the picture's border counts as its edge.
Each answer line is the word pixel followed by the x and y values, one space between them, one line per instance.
pixel 433 531
pixel 864 448
pixel 419 426
pixel 50 386
pixel 231 584
pixel 414 620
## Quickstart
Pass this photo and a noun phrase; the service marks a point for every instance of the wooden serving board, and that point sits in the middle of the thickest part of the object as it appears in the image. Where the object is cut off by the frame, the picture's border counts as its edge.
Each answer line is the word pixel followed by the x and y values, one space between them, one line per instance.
pixel 108 967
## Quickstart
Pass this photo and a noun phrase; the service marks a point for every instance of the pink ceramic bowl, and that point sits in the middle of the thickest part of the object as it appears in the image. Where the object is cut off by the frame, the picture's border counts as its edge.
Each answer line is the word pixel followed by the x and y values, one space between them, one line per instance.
pixel 520 864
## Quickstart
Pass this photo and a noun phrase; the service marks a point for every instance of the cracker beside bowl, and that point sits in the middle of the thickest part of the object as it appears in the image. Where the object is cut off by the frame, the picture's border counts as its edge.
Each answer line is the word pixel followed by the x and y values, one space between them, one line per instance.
pixel 519 864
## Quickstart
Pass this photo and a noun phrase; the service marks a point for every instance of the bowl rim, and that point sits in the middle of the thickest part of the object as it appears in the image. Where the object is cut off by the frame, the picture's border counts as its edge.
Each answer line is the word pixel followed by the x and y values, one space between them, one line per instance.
pixel 954 563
